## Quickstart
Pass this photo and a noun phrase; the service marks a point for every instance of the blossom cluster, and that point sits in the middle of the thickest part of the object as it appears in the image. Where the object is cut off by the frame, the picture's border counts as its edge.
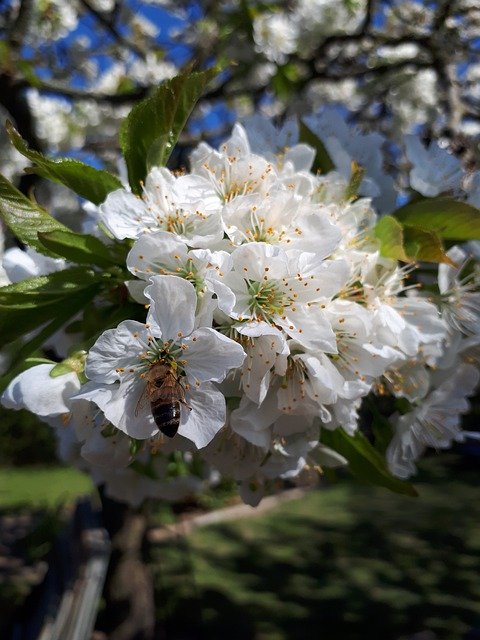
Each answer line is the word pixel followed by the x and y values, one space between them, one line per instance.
pixel 270 315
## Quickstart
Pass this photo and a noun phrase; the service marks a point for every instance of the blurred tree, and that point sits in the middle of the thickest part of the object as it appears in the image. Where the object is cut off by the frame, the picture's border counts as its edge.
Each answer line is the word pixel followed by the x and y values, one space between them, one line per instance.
pixel 70 71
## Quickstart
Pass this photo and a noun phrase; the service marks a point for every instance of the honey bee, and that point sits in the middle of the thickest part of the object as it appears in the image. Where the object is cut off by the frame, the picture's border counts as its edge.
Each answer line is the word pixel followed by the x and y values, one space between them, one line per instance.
pixel 165 393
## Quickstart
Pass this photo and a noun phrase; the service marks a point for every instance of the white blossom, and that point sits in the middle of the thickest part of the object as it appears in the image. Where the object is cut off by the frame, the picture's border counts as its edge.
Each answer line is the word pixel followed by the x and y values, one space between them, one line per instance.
pixel 233 170
pixel 435 422
pixel 280 145
pixel 275 35
pixel 460 298
pixel 35 390
pixel 434 170
pixel 20 265
pixel 281 219
pixel 178 205
pixel 345 145
pixel 284 289
pixel 121 358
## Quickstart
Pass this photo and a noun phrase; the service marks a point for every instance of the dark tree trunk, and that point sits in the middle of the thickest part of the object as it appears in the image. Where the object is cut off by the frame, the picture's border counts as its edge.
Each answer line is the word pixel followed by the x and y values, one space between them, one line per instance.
pixel 129 612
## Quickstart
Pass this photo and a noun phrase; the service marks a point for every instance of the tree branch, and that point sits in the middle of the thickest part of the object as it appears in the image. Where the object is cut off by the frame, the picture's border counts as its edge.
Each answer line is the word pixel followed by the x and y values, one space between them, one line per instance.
pixel 113 31
pixel 77 94
pixel 20 26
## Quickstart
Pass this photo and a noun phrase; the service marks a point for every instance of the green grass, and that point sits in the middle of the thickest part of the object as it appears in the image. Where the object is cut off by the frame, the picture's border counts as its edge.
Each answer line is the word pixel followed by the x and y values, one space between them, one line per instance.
pixel 41 486
pixel 39 493
pixel 349 562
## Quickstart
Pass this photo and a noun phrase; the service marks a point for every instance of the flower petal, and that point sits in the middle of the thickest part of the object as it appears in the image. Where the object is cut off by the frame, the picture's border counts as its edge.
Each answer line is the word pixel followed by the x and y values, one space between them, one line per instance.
pixel 211 355
pixel 301 156
pixel 155 252
pixel 252 422
pixel 124 405
pixel 123 214
pixel 172 308
pixel 206 416
pixel 112 452
pixel 35 390
pixel 250 260
pixel 116 349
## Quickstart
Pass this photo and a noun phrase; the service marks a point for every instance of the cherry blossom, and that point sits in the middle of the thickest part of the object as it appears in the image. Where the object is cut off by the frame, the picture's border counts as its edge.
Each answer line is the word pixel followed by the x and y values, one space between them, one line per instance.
pixel 119 362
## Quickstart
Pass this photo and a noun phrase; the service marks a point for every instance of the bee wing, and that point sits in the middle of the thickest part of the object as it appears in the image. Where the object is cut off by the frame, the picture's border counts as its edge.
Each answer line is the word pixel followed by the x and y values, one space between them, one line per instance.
pixel 182 395
pixel 142 401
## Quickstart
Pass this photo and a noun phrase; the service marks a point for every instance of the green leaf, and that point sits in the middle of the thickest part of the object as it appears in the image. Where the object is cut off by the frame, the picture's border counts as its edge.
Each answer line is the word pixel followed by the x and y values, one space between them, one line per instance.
pixel 247 15
pixel 25 218
pixel 143 468
pixel 352 5
pixel 367 464
pixel 5 54
pixel 28 304
pixel 47 288
pixel 63 314
pixel 424 245
pixel 78 248
pixel 322 163
pixel 408 244
pixel 448 218
pixel 88 182
pixel 390 234
pixel 150 131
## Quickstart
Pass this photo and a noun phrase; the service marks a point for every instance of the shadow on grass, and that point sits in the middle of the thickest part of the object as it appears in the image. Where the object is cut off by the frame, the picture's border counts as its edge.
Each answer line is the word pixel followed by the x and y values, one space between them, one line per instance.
pixel 348 562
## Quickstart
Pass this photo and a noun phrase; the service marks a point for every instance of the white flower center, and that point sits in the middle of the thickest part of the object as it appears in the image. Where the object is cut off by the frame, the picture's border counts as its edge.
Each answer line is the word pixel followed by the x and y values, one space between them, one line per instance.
pixel 267 300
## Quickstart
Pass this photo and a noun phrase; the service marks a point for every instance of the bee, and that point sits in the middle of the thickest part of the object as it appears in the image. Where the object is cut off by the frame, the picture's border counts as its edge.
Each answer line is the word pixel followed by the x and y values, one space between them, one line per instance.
pixel 165 393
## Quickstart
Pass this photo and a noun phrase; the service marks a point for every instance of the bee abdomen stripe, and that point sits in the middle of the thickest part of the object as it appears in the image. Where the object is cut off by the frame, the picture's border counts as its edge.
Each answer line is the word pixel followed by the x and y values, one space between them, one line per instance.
pixel 167 417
